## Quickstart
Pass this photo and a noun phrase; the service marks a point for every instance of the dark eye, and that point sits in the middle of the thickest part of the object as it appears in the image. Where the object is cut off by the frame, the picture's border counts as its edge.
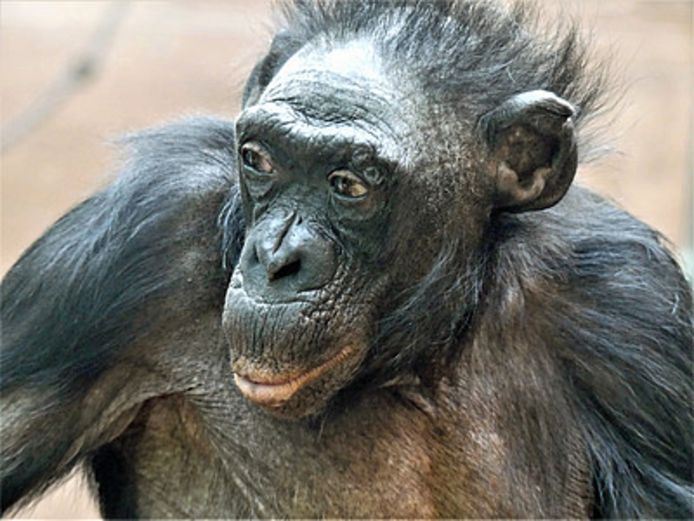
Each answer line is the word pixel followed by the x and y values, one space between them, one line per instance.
pixel 347 184
pixel 256 159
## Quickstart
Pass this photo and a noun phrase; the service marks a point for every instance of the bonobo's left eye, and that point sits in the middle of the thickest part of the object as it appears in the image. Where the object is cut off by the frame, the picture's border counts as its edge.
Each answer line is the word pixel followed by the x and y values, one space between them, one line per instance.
pixel 255 158
pixel 346 184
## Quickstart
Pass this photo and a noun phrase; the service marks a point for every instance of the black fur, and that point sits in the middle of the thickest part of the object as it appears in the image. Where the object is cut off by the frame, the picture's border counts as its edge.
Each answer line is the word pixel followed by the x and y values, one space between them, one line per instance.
pixel 617 312
pixel 473 54
pixel 103 259
pixel 605 297
pixel 620 318
pixel 628 364
pixel 71 302
pixel 585 282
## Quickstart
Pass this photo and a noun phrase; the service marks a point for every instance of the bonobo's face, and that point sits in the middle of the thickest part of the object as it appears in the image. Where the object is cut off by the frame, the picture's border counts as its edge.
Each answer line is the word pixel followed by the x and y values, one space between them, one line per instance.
pixel 321 156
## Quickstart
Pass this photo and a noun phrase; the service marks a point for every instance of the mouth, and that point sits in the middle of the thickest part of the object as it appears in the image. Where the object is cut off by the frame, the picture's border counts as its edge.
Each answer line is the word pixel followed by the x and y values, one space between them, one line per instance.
pixel 275 390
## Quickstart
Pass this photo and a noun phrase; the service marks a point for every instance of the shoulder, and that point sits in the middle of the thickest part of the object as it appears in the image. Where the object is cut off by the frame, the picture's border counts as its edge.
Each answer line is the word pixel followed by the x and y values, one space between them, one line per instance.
pixel 616 311
pixel 184 155
pixel 70 303
pixel 586 237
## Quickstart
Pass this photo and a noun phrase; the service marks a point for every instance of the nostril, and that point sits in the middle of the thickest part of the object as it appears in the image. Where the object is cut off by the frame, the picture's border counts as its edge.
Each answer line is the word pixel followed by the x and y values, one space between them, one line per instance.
pixel 287 270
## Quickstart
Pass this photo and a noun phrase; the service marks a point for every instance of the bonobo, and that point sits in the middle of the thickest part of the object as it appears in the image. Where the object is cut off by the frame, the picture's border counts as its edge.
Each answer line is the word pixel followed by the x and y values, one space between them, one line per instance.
pixel 374 294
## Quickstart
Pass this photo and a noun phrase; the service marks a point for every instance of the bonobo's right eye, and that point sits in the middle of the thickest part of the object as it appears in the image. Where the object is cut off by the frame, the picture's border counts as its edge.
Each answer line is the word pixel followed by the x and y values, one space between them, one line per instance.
pixel 256 159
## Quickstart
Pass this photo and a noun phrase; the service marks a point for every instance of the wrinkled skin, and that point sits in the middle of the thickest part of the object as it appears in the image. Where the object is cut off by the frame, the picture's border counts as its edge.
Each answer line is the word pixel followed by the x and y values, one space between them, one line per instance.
pixel 314 278
pixel 325 112
pixel 350 302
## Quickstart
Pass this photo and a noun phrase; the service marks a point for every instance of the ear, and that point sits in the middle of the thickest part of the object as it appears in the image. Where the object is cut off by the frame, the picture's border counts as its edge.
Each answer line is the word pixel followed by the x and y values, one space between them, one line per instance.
pixel 533 146
pixel 281 49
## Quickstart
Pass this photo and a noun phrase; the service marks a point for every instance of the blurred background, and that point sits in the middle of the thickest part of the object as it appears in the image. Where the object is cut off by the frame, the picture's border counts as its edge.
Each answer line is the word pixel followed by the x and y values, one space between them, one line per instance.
pixel 76 75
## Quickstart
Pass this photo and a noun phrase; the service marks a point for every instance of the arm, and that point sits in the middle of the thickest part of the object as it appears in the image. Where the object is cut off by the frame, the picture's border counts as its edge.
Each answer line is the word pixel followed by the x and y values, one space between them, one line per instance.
pixel 84 305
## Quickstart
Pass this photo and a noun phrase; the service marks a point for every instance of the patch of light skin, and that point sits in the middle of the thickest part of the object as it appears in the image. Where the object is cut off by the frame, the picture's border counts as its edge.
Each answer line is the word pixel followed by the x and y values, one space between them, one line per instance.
pixel 356 59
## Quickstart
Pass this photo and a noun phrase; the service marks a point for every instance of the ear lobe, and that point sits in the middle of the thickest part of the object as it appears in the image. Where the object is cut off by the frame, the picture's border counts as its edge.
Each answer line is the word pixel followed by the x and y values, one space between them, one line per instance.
pixel 533 147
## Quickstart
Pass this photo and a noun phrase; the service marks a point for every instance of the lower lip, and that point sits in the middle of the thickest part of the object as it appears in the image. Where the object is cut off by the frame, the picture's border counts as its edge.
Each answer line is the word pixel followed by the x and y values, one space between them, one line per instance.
pixel 276 394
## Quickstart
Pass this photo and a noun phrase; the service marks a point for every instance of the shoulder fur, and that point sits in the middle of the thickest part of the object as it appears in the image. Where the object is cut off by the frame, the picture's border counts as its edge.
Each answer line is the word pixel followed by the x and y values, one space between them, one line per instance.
pixel 618 312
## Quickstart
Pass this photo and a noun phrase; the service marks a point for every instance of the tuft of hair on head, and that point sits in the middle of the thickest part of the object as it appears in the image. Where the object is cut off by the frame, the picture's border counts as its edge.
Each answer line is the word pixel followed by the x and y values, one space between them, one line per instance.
pixel 470 55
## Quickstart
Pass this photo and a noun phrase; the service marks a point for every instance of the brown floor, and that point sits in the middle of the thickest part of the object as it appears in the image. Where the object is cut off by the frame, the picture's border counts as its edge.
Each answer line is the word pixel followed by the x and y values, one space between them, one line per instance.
pixel 185 57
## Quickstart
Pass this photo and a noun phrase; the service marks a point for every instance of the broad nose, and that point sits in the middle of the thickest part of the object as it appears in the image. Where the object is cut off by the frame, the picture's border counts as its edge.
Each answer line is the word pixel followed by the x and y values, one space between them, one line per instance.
pixel 287 255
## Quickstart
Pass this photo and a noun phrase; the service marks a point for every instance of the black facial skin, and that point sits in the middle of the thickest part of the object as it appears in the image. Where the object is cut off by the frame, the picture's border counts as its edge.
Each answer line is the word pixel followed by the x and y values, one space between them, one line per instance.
pixel 376 294
pixel 316 192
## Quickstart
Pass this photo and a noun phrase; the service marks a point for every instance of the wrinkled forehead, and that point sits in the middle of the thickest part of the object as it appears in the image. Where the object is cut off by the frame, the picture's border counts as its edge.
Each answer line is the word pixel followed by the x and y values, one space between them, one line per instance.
pixel 339 82
pixel 355 59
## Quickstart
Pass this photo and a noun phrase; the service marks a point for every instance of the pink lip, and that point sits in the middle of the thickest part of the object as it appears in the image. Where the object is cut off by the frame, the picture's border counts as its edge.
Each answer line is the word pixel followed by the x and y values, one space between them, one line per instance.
pixel 273 391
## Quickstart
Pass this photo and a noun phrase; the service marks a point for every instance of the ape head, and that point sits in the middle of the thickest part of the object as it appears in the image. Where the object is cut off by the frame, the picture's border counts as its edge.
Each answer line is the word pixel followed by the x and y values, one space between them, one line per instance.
pixel 378 143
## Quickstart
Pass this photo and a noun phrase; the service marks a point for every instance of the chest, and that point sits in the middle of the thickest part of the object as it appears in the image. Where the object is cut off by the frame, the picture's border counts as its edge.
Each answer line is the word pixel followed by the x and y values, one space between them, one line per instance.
pixel 187 460
pixel 385 456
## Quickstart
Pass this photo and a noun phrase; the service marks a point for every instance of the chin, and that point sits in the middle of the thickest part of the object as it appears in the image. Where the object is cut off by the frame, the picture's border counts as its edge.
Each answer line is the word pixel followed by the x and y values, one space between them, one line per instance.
pixel 292 352
pixel 298 393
